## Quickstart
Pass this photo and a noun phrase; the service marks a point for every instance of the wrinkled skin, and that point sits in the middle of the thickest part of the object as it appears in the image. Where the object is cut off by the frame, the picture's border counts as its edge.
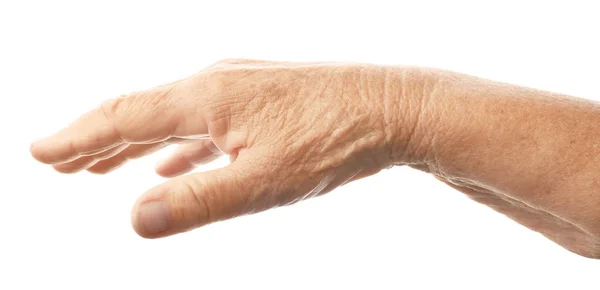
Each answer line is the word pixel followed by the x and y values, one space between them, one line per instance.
pixel 297 130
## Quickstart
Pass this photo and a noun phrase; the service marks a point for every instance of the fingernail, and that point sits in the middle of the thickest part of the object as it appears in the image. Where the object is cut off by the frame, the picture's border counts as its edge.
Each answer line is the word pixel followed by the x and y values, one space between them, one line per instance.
pixel 153 217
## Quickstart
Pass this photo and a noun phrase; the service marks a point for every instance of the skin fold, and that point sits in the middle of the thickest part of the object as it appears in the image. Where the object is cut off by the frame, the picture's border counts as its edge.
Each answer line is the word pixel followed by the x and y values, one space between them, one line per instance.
pixel 298 130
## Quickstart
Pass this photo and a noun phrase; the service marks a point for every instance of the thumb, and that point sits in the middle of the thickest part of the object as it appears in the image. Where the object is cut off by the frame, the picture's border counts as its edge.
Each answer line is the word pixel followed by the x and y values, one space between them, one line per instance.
pixel 194 200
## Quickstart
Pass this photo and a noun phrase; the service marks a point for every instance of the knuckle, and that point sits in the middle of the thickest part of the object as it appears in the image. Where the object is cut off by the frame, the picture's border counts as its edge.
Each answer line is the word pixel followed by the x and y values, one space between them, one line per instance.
pixel 228 75
pixel 201 195
pixel 79 145
pixel 110 108
pixel 156 99
pixel 111 111
pixel 216 80
pixel 234 61
pixel 226 87
pixel 128 113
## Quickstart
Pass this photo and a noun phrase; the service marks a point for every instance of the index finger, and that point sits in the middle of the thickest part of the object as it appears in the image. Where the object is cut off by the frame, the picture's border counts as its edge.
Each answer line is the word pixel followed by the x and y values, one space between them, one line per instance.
pixel 90 134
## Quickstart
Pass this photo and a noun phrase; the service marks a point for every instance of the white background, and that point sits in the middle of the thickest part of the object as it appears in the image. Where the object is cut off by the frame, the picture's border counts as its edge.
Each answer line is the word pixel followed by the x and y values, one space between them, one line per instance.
pixel 400 229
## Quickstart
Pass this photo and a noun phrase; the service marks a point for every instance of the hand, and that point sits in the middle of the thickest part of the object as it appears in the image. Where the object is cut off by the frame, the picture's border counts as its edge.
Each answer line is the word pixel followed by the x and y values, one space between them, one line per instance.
pixel 292 131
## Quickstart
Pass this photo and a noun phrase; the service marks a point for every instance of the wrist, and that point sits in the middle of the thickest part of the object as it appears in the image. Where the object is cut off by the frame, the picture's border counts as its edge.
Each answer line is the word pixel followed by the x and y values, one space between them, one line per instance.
pixel 410 113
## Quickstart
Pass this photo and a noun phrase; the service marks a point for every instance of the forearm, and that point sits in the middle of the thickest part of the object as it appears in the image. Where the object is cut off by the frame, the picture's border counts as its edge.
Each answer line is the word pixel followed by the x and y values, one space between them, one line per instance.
pixel 538 147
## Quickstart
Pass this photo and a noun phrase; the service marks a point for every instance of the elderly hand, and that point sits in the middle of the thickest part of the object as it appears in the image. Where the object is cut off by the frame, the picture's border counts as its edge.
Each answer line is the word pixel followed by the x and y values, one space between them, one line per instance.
pixel 297 130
